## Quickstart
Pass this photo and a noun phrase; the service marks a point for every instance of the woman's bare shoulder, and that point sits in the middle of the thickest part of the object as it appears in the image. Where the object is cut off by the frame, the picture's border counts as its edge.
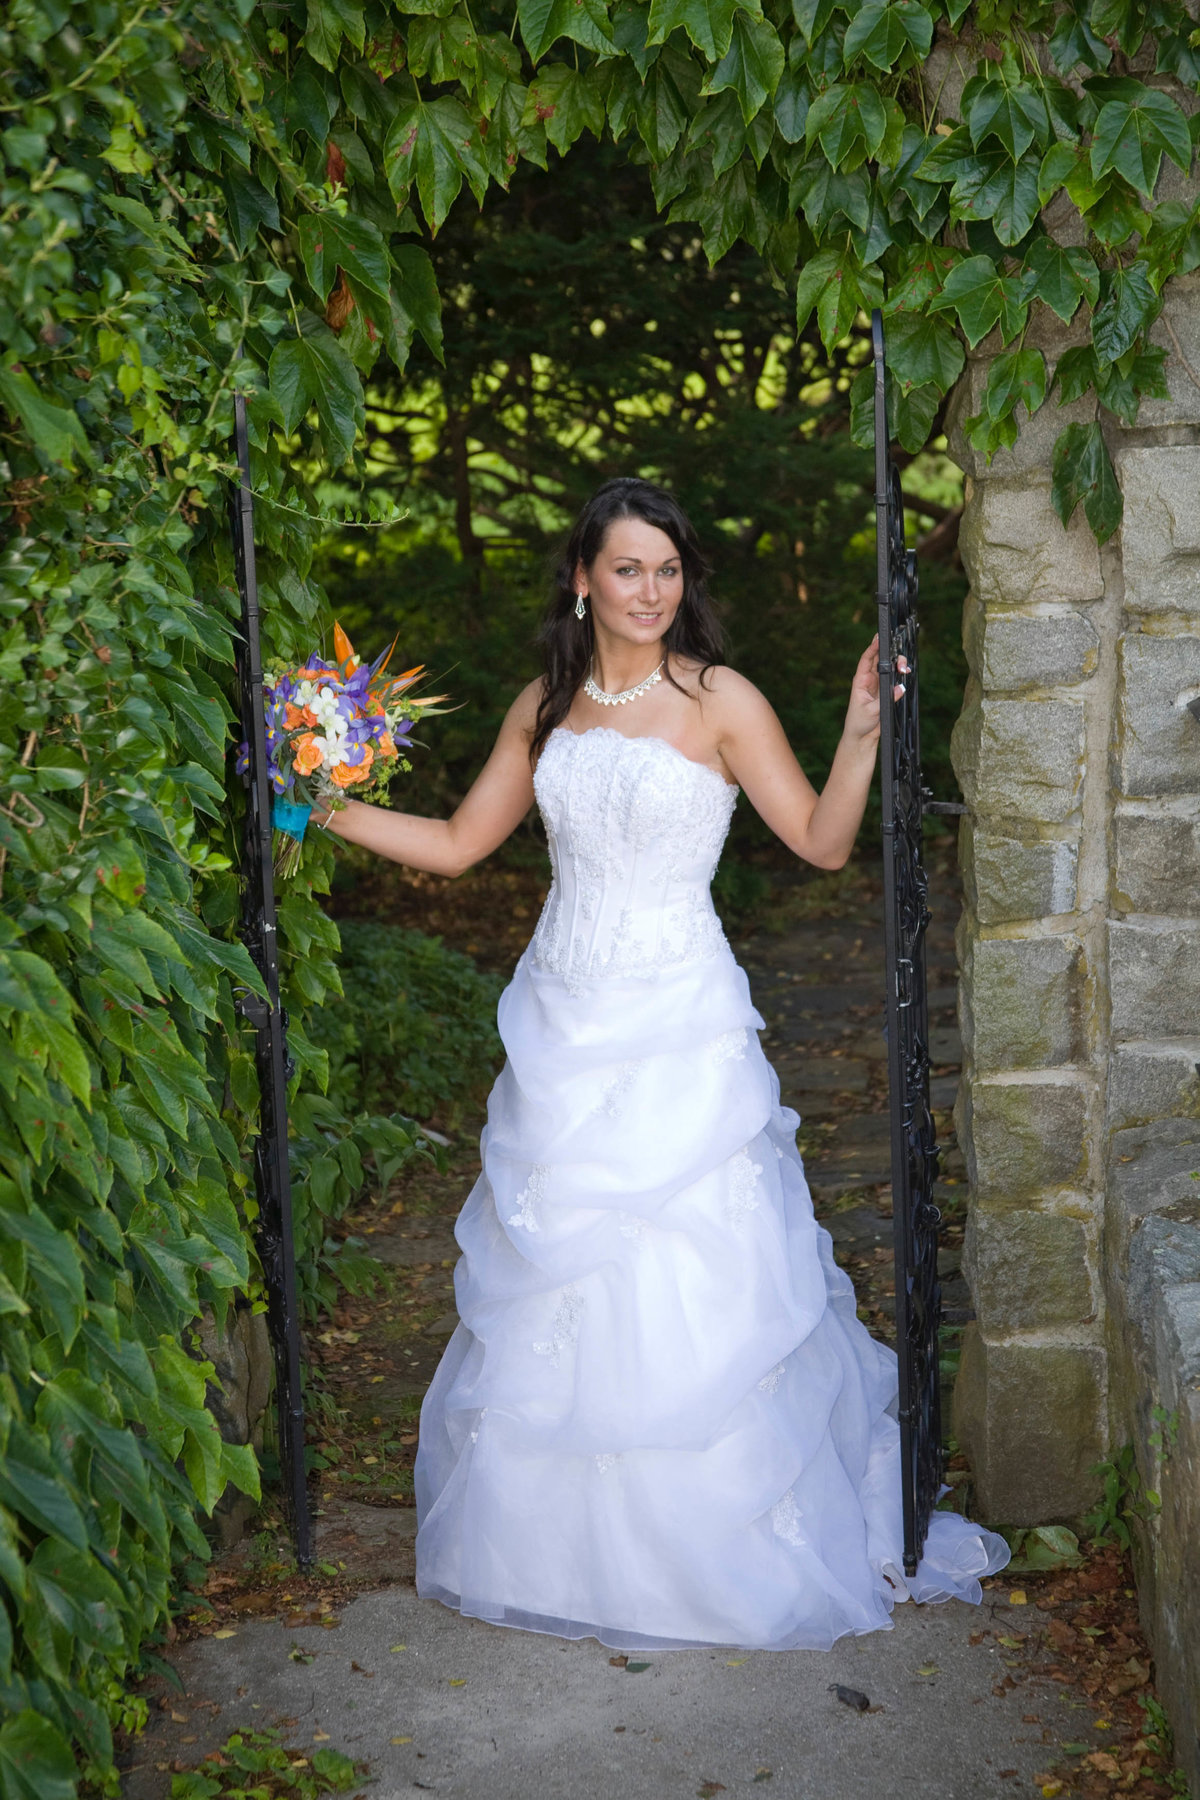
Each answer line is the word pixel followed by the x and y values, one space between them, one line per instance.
pixel 725 696
pixel 522 714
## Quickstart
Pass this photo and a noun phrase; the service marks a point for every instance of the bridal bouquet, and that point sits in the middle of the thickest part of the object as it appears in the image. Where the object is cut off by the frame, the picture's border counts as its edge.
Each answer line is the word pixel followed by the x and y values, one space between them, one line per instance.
pixel 332 727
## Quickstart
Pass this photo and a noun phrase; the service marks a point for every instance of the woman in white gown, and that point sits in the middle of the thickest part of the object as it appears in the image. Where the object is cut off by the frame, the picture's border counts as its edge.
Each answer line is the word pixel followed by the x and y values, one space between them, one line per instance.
pixel 660 1422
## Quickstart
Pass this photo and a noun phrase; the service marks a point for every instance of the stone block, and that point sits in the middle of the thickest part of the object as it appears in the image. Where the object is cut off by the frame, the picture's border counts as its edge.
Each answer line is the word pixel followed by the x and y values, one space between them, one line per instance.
pixel 1160 533
pixel 1033 451
pixel 1153 1170
pixel 1023 1002
pixel 1154 976
pixel 1163 1255
pixel 1155 1080
pixel 1158 740
pixel 1181 310
pixel 1157 858
pixel 237 1394
pixel 1016 549
pixel 1026 1140
pixel 1031 1419
pixel 1020 759
pixel 1045 649
pixel 1009 879
pixel 1028 1270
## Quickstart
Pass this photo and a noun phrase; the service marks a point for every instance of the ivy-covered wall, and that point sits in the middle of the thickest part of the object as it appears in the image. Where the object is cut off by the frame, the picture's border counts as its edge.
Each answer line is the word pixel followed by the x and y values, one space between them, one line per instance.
pixel 217 194
pixel 1080 943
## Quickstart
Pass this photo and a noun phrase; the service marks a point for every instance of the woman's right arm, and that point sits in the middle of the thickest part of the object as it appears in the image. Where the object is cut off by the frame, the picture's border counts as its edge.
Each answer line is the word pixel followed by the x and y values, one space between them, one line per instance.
pixel 497 802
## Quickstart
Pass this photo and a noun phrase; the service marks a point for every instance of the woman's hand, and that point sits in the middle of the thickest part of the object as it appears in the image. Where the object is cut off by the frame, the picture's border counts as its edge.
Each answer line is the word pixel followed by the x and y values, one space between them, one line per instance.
pixel 862 714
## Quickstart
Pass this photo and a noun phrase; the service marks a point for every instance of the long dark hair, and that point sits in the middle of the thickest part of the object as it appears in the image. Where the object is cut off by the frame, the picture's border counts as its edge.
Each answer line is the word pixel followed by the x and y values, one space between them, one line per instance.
pixel 567 642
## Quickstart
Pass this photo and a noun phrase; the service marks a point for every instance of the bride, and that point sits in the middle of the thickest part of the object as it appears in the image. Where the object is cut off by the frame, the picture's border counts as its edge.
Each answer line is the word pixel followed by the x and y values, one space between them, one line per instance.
pixel 660 1422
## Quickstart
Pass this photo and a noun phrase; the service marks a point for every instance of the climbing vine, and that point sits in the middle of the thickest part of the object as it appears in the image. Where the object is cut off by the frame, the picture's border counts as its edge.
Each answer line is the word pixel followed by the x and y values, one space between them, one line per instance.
pixel 198 196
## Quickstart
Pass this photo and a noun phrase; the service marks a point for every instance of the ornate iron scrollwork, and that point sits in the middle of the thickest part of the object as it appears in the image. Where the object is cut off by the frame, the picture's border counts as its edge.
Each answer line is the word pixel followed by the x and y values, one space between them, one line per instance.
pixel 258 930
pixel 915 1218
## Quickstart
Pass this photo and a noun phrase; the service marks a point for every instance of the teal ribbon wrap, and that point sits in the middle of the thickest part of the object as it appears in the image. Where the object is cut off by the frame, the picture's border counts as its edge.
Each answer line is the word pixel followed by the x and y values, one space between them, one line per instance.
pixel 288 817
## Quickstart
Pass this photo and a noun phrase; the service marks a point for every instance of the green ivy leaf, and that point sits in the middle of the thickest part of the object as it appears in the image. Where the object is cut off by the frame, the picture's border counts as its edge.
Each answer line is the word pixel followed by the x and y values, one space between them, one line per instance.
pixel 1001 191
pixel 1073 42
pixel 330 240
pixel 1132 136
pixel 812 17
pixel 35 1760
pixel 307 104
pixel 708 23
pixel 56 431
pixel 792 99
pixel 664 103
pixel 1139 375
pixel 922 351
pixel 751 66
pixel 824 194
pixel 566 102
pixel 982 297
pixel 313 369
pixel 1058 165
pixel 1128 305
pixel 921 277
pixel 250 207
pixel 435 144
pixel 1076 373
pixel 1015 115
pixel 328 22
pixel 1060 276
pixel 726 209
pixel 1115 215
pixel 1179 55
pixel 1082 472
pixel 1015 377
pixel 839 289
pixel 543 22
pixel 881 32
pixel 416 303
pixel 846 118
pixel 445 49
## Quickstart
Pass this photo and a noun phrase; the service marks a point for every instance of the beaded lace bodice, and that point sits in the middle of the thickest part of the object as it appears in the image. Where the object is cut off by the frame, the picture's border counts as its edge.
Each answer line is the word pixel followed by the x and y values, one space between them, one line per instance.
pixel 635 830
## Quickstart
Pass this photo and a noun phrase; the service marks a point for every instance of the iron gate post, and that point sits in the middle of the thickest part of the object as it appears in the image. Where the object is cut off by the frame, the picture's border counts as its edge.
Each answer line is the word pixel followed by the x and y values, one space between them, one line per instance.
pixel 272 1174
pixel 915 1218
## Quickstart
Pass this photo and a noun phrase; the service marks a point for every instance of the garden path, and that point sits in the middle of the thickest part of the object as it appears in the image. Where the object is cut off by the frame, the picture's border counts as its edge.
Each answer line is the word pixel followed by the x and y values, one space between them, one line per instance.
pixel 963 1703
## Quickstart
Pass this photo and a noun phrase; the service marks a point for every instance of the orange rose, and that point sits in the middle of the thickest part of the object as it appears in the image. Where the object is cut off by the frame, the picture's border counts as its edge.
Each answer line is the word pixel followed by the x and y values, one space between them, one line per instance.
pixel 292 716
pixel 347 774
pixel 385 744
pixel 309 754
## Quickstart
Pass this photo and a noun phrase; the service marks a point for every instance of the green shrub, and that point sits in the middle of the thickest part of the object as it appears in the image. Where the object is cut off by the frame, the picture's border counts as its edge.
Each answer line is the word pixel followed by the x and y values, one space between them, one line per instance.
pixel 415 1029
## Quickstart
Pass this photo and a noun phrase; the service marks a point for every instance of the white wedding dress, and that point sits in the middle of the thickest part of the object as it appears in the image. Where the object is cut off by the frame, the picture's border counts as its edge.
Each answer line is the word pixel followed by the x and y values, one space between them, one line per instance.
pixel 660 1422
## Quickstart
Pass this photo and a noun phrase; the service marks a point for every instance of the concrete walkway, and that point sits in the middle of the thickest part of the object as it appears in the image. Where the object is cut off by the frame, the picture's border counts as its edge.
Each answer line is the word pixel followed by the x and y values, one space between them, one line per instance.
pixel 436 1704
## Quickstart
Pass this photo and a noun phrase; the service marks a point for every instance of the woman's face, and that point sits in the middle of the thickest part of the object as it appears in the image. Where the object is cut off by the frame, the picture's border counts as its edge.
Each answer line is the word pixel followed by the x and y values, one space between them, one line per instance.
pixel 635 584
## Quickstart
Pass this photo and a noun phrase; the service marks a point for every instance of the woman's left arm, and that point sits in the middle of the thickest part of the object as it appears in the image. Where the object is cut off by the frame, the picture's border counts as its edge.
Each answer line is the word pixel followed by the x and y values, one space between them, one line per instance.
pixel 819 827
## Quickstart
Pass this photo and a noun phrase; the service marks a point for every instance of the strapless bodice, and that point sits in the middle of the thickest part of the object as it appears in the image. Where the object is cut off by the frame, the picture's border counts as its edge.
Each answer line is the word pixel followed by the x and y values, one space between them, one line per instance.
pixel 635 830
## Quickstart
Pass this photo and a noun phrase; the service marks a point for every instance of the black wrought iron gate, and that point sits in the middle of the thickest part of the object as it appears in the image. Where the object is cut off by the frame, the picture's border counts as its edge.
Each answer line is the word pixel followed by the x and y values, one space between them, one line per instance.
pixel 915 1218
pixel 271 1170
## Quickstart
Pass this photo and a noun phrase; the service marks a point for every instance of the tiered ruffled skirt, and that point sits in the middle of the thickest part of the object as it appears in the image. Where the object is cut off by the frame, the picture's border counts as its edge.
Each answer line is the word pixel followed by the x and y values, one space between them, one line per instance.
pixel 660 1422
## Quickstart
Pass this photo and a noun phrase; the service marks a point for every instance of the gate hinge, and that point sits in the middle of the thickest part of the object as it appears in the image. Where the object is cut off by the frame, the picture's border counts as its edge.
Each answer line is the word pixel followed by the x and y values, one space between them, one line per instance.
pixel 951 809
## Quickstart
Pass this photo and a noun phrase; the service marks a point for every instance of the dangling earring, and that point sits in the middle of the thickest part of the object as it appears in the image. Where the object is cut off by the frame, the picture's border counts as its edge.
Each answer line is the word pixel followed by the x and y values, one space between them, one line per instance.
pixel 580 608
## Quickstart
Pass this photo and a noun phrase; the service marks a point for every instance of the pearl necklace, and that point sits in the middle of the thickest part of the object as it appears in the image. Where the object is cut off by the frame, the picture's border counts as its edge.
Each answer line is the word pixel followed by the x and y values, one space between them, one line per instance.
pixel 595 693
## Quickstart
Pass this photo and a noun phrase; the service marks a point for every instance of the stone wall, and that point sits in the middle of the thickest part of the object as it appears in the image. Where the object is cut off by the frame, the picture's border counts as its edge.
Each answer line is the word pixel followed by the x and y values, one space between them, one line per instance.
pixel 1080 951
